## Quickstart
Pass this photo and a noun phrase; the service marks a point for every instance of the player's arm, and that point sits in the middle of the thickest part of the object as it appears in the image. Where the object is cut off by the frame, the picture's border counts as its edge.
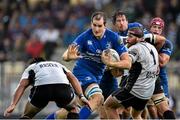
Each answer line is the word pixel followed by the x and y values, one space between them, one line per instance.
pixel 77 87
pixel 165 53
pixel 74 82
pixel 124 63
pixel 163 59
pixel 23 84
pixel 157 40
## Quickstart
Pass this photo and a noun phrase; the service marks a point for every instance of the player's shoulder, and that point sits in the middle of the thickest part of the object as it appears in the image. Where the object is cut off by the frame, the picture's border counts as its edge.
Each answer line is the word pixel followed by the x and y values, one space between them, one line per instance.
pixel 86 33
pixel 141 45
pixel 110 32
pixel 134 47
pixel 168 44
pixel 146 44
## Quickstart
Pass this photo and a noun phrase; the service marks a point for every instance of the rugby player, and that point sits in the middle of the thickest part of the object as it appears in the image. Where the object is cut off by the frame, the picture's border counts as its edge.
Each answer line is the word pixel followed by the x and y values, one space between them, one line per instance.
pixel 51 82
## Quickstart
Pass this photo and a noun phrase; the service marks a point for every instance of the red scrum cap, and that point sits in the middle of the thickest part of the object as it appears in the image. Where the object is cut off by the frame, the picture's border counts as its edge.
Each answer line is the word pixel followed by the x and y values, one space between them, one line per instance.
pixel 157 21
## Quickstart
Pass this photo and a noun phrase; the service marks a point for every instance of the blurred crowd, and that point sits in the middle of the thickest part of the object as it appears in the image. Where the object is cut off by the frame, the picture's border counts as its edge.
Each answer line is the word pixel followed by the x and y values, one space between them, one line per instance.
pixel 30 28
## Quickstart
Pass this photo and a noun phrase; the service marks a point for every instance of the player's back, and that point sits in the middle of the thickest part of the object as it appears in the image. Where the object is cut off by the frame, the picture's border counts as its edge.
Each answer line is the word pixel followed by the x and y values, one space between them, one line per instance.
pixel 147 64
pixel 47 72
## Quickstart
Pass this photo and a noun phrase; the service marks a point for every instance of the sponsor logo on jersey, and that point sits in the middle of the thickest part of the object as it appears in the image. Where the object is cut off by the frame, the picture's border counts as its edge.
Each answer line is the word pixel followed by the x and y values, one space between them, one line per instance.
pixel 89 42
pixel 88 78
pixel 99 51
pixel 108 45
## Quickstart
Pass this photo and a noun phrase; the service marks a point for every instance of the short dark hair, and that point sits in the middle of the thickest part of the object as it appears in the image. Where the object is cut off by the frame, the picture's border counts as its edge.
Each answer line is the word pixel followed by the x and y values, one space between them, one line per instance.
pixel 37 60
pixel 116 14
pixel 98 15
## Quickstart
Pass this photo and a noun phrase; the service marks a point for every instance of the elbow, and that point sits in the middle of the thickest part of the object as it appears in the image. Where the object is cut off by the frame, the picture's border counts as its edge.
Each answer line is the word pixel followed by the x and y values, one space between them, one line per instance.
pixel 163 61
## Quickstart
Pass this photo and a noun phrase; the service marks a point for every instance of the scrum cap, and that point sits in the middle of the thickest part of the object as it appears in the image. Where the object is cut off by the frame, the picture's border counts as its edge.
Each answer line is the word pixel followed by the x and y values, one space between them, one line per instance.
pixel 136 31
pixel 157 21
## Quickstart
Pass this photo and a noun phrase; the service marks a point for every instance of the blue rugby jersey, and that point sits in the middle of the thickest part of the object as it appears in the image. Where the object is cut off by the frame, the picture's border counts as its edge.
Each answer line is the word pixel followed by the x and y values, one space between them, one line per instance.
pixel 89 68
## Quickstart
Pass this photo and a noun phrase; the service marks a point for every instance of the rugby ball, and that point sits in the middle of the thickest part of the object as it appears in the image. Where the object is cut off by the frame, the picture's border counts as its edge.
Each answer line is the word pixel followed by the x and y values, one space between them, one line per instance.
pixel 113 54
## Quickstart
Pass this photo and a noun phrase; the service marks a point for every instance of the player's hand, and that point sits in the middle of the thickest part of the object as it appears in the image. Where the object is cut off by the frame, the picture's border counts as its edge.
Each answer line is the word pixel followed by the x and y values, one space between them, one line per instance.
pixel 9 110
pixel 84 100
pixel 105 57
pixel 73 52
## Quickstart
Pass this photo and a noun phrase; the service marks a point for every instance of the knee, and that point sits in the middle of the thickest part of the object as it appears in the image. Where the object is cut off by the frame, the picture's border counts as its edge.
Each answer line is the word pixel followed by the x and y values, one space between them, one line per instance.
pixel 96 101
pixel 162 107
pixel 98 98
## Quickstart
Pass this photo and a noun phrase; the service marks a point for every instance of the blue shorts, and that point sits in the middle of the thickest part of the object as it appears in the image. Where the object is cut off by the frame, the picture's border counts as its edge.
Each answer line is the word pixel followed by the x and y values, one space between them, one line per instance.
pixel 86 78
pixel 164 84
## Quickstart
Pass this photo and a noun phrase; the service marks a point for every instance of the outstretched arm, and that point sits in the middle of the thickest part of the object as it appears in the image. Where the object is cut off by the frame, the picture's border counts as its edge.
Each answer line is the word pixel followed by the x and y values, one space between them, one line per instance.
pixel 157 40
pixel 77 87
pixel 71 53
pixel 16 97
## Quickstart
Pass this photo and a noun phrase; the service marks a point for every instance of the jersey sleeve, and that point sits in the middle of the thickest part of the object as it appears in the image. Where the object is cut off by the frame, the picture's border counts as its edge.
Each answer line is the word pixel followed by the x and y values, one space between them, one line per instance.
pixel 65 69
pixel 167 48
pixel 119 45
pixel 150 38
pixel 133 53
pixel 25 74
pixel 80 40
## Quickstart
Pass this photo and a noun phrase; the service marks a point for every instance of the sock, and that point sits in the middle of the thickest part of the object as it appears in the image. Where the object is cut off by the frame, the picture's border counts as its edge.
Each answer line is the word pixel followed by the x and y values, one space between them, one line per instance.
pixel 169 115
pixel 51 116
pixel 72 115
pixel 85 112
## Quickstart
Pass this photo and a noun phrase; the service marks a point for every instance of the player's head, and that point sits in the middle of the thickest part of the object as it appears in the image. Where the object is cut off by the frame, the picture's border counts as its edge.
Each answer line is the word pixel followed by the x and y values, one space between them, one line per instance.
pixel 36 60
pixel 98 22
pixel 157 25
pixel 135 35
pixel 120 21
pixel 136 24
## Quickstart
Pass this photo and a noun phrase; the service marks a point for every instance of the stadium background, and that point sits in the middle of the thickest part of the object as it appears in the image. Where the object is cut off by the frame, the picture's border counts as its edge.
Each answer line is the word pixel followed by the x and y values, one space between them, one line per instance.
pixel 46 27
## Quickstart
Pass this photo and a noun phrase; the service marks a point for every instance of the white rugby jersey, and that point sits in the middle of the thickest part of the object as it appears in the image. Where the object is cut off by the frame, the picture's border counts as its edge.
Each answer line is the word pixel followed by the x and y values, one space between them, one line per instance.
pixel 146 56
pixel 47 72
